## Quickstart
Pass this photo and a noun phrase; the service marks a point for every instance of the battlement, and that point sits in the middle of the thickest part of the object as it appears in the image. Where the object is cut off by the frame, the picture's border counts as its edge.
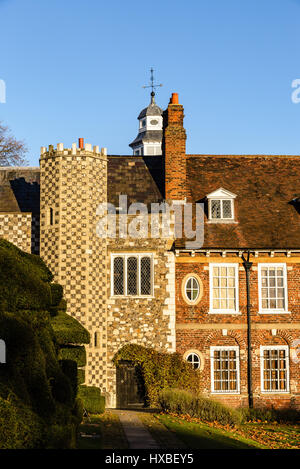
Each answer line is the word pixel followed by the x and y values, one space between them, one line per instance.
pixel 81 150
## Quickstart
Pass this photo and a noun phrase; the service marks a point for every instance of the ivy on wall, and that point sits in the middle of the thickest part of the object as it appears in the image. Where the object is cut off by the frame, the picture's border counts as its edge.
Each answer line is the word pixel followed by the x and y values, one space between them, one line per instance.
pixel 159 370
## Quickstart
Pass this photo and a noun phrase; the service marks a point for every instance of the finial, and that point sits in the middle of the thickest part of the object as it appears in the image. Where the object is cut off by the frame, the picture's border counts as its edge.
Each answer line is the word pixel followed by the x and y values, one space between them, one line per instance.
pixel 152 86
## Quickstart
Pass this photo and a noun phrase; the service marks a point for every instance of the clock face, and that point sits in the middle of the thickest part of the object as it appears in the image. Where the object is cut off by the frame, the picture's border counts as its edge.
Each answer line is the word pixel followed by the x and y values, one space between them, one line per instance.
pixel 154 122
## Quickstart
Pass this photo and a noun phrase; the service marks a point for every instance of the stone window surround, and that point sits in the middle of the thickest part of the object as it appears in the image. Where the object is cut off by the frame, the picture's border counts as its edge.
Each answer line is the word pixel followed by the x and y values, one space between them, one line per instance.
pixel 125 255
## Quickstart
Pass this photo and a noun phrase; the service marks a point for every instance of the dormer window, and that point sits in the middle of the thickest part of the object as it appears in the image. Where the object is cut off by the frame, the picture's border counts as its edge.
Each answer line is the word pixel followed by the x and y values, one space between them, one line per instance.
pixel 221 206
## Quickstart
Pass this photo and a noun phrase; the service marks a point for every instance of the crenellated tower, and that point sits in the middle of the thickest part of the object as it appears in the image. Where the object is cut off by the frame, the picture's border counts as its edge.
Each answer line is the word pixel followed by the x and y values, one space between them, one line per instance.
pixel 73 184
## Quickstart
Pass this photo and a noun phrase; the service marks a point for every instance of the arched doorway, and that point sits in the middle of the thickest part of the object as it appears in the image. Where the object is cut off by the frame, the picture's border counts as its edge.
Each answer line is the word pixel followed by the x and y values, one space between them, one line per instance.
pixel 130 385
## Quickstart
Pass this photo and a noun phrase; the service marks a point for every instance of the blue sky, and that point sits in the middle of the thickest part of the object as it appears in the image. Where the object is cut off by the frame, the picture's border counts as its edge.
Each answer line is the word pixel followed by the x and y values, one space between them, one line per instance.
pixel 76 68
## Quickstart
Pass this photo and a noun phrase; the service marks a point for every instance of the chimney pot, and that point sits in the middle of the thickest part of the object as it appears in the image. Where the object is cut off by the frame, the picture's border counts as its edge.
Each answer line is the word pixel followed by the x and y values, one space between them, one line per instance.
pixel 80 143
pixel 174 99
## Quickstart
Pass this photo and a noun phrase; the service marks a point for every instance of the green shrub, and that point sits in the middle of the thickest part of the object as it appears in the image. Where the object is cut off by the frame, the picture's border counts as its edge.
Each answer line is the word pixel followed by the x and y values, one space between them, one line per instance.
pixel 270 414
pixel 159 370
pixel 80 376
pixel 20 428
pixel 92 400
pixel 61 437
pixel 69 368
pixel 78 410
pixel 56 293
pixel 187 403
pixel 76 353
pixel 38 406
pixel 69 331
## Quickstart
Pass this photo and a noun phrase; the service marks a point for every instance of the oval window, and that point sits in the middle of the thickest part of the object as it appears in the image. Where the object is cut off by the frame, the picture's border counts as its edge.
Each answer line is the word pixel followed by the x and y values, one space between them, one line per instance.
pixel 192 289
pixel 194 359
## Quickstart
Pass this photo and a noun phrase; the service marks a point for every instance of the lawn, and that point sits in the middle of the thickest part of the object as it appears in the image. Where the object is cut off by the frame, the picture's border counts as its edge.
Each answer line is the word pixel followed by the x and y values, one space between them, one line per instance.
pixel 204 436
pixel 199 435
pixel 102 432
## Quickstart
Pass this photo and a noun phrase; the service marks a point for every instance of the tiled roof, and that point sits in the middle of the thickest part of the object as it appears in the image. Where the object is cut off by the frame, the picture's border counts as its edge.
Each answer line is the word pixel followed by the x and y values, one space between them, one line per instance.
pixel 19 189
pixel 140 177
pixel 266 186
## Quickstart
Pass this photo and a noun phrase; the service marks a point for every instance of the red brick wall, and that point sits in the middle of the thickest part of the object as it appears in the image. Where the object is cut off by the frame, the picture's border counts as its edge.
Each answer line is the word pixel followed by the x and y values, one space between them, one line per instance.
pixel 199 330
pixel 174 138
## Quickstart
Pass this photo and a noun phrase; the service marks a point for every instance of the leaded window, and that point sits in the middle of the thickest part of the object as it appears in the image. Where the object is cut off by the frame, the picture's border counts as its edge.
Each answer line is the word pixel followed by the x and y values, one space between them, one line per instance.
pixel 274 368
pixel 221 209
pixel 225 369
pixel 132 275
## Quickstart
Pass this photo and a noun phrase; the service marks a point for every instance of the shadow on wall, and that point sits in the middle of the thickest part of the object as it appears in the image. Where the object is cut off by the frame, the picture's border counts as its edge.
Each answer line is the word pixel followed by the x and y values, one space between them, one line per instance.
pixel 27 195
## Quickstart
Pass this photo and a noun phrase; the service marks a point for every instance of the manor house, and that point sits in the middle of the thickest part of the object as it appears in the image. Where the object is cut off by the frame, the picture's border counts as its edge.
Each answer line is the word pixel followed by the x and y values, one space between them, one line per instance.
pixel 230 305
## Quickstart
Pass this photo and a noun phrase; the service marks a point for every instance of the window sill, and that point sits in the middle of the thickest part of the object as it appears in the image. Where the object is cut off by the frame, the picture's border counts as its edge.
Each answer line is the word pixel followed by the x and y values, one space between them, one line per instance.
pixel 274 311
pixel 222 221
pixel 225 312
pixel 275 392
pixel 132 297
pixel 226 393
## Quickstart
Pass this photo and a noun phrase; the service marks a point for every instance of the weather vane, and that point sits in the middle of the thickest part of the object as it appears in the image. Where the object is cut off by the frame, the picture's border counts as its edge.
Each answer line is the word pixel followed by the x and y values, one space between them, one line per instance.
pixel 152 84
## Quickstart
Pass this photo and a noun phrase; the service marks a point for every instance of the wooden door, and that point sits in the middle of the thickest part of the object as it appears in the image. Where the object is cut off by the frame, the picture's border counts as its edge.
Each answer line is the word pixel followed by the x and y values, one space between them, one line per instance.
pixel 130 386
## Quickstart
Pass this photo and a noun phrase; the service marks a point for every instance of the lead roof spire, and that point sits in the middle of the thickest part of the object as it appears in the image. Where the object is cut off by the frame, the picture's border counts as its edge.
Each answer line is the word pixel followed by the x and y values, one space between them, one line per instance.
pixel 152 85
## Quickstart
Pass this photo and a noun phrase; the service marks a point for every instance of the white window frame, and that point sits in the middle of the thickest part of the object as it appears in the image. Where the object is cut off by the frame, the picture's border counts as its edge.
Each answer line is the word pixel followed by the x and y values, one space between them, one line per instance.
pixel 191 362
pixel 223 311
pixel 272 310
pixel 138 256
pixel 184 292
pixel 222 218
pixel 236 348
pixel 274 347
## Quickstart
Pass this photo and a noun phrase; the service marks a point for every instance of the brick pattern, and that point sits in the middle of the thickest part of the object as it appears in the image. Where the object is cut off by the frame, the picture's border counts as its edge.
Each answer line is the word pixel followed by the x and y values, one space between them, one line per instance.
pixel 16 228
pixel 196 329
pixel 73 185
pixel 174 151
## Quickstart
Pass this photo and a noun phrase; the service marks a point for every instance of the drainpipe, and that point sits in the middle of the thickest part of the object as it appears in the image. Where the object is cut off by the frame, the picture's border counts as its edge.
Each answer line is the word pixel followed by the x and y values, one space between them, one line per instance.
pixel 247 266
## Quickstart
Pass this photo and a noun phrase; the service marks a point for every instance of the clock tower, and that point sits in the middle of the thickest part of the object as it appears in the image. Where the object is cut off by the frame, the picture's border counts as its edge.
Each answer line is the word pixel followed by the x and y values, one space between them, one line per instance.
pixel 149 139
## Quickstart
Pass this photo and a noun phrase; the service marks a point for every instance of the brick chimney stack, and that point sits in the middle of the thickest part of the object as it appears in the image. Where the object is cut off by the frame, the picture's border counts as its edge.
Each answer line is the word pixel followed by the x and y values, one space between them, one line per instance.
pixel 174 137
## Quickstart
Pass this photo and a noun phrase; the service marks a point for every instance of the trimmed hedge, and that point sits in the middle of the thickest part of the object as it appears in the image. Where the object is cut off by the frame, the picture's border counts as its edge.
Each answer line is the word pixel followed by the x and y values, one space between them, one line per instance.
pixel 69 331
pixel 20 427
pixel 80 376
pixel 92 400
pixel 76 353
pixel 23 280
pixel 38 405
pixel 159 370
pixel 187 403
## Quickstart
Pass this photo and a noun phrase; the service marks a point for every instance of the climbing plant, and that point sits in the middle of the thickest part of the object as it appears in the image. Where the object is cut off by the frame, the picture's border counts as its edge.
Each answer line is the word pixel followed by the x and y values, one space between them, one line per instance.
pixel 159 370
